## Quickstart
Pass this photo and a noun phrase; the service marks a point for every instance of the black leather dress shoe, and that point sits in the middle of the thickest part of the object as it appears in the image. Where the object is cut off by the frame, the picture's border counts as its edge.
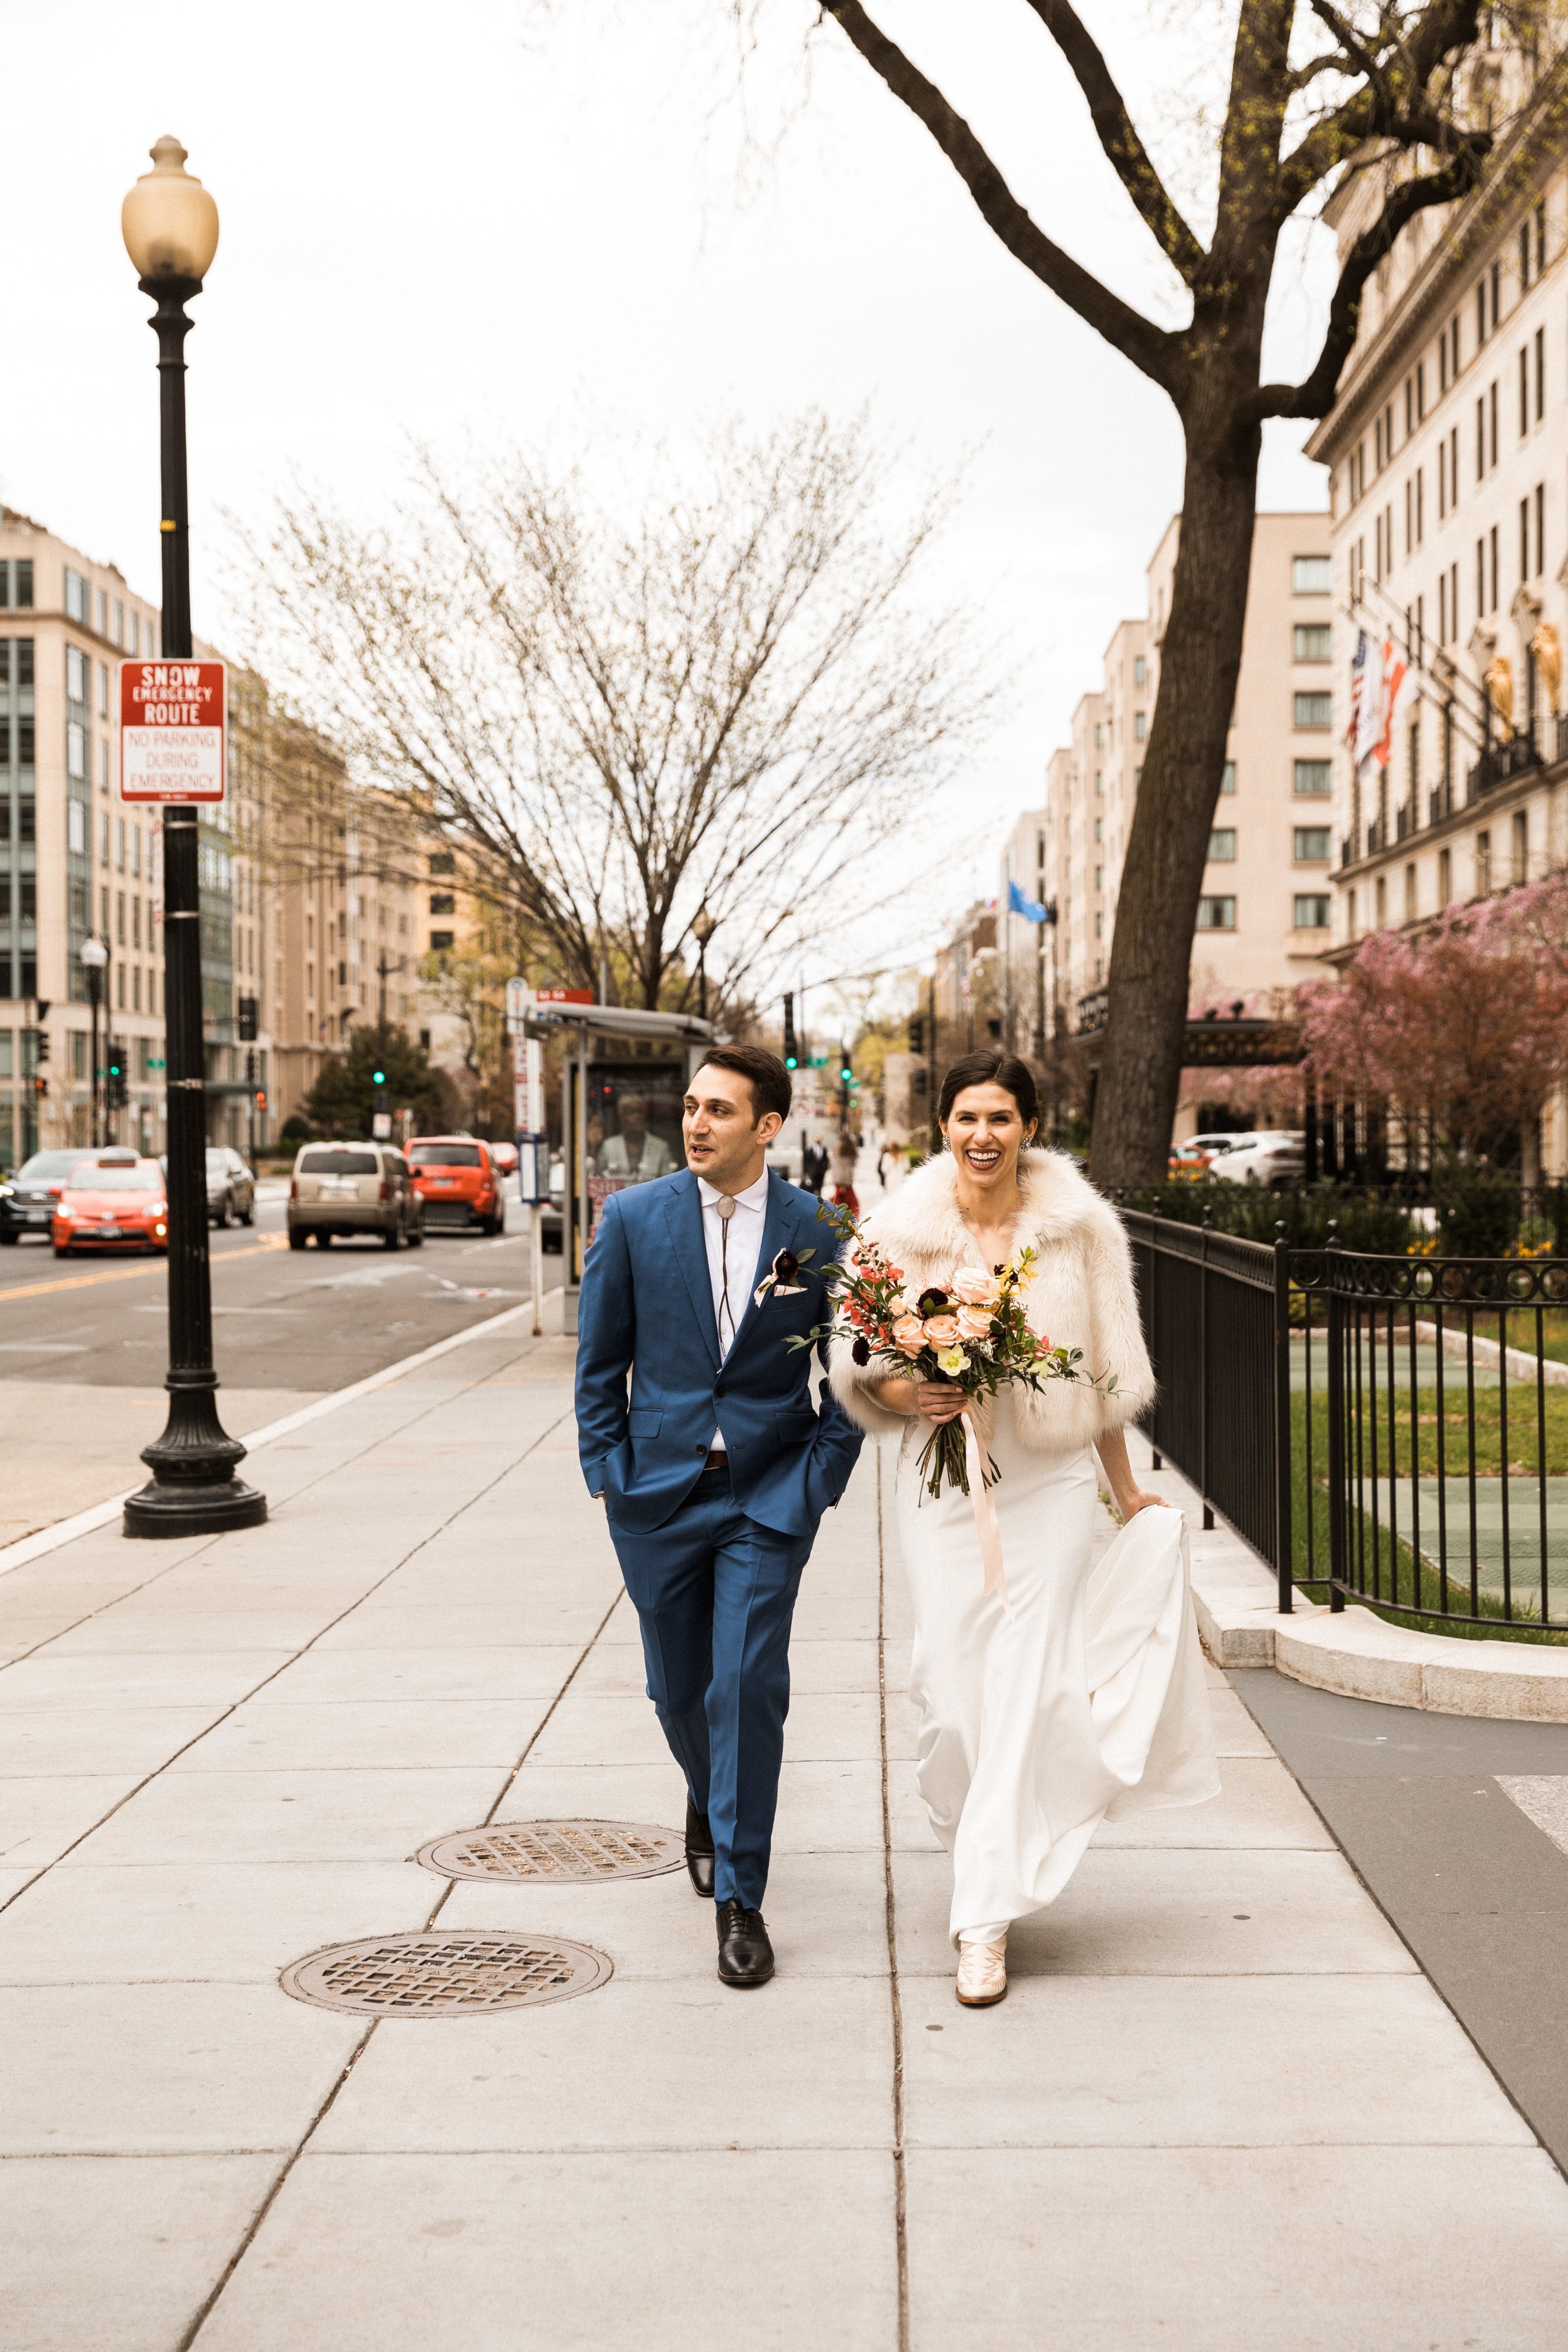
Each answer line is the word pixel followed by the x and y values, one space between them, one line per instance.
pixel 745 1954
pixel 699 1851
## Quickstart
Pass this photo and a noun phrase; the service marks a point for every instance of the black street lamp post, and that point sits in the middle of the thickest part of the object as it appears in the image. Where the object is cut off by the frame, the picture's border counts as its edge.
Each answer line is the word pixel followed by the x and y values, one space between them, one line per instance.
pixel 703 926
pixel 171 228
pixel 93 957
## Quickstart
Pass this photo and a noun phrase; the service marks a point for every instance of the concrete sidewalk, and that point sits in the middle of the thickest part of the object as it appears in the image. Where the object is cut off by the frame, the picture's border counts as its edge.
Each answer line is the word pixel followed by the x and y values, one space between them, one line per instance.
pixel 1221 2108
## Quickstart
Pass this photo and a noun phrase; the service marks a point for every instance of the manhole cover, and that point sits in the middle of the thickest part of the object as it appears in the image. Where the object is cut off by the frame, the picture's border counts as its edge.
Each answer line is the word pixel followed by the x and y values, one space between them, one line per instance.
pixel 450 1975
pixel 556 1852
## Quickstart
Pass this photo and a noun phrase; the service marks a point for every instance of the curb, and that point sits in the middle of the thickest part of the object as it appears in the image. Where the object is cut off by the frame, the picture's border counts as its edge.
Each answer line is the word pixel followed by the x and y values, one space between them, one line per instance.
pixel 1355 1653
pixel 101 1514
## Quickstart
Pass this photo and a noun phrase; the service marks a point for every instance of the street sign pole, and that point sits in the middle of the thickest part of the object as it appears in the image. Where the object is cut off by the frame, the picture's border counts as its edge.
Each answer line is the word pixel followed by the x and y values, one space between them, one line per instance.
pixel 532 1130
pixel 172 752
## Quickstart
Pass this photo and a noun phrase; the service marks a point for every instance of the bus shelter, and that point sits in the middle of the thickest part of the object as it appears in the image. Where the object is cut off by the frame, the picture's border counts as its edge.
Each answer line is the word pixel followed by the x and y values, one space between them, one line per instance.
pixel 624 1074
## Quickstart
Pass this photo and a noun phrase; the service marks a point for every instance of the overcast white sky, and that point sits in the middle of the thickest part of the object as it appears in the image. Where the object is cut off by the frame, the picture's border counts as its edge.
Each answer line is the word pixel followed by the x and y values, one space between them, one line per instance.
pixel 483 217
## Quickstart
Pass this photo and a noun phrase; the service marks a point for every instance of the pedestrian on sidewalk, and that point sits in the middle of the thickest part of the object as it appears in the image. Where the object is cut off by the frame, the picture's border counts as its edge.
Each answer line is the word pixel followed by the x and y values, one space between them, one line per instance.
pixel 843 1193
pixel 814 1165
pixel 716 1472
pixel 1068 1697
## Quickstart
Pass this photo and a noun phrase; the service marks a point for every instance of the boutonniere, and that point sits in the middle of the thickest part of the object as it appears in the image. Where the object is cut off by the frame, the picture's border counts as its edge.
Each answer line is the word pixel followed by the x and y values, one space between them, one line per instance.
pixel 780 1276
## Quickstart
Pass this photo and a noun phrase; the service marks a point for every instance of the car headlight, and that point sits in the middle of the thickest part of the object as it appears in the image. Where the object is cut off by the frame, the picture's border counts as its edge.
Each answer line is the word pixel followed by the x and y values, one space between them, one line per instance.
pixel 61 1211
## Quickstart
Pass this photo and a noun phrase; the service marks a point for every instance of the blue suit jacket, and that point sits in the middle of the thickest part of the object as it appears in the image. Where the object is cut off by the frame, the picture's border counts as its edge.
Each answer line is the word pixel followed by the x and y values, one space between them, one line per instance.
pixel 646 1307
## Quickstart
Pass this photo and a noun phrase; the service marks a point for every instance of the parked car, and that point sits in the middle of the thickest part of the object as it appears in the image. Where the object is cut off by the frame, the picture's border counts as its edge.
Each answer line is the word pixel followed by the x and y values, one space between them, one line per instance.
pixel 458 1183
pixel 28 1201
pixel 1275 1156
pixel 353 1189
pixel 113 1200
pixel 505 1155
pixel 231 1187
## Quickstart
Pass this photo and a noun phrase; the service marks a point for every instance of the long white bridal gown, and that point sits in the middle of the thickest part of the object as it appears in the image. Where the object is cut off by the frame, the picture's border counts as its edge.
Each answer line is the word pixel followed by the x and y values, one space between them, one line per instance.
pixel 1080 1701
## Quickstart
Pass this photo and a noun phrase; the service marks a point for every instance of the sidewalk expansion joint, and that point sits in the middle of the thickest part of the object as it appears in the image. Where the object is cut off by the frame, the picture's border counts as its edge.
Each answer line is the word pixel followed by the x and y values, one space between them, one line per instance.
pixel 900 2186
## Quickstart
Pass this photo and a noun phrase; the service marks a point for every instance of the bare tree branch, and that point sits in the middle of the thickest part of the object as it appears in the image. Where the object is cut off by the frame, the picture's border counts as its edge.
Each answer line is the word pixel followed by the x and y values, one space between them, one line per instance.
pixel 1135 337
pixel 1115 129
pixel 1315 396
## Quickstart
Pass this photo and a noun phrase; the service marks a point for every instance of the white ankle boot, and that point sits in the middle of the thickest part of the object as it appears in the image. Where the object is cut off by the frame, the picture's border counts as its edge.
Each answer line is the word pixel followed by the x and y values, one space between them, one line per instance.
pixel 982 1973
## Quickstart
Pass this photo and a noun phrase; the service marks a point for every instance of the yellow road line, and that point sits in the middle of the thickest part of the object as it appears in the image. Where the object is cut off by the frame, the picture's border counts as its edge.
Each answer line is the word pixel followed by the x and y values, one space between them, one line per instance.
pixel 128 1272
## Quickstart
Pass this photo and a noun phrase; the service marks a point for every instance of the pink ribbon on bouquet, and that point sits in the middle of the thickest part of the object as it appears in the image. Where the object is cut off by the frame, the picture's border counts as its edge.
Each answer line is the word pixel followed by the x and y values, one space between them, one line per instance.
pixel 987 1526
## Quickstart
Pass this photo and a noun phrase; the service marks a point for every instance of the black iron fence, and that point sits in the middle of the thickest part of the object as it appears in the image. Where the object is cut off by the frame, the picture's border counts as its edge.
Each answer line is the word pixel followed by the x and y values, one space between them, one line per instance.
pixel 1392 1430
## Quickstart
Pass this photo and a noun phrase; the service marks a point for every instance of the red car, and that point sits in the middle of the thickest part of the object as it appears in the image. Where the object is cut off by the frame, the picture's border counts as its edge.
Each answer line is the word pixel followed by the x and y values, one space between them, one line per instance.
pixel 458 1182
pixel 113 1200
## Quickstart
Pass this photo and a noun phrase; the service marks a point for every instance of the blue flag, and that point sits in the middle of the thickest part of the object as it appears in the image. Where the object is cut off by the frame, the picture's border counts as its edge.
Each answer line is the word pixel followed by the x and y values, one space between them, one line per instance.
pixel 1020 903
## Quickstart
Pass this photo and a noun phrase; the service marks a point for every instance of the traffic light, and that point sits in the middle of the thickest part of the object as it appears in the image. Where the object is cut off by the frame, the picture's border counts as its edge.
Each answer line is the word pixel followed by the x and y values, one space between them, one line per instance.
pixel 261 1098
pixel 114 1075
pixel 845 1072
pixel 41 1049
pixel 248 1009
pixel 791 1050
pixel 918 1033
pixel 377 1077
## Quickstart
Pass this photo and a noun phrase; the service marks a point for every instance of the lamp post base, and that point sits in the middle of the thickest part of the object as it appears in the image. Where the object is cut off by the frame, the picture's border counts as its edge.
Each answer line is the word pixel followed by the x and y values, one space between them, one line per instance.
pixel 193 1510
pixel 192 1490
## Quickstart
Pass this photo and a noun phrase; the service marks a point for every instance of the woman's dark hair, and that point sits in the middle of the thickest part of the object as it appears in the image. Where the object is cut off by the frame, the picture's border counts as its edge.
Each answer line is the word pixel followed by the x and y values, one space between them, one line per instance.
pixel 766 1073
pixel 991 1067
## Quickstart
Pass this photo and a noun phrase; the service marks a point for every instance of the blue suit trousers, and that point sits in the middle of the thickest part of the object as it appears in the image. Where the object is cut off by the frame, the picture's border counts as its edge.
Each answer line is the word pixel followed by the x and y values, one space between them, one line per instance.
pixel 715 1595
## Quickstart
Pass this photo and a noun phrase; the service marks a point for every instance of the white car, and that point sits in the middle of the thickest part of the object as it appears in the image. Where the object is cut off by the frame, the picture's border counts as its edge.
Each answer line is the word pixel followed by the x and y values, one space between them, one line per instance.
pixel 1274 1156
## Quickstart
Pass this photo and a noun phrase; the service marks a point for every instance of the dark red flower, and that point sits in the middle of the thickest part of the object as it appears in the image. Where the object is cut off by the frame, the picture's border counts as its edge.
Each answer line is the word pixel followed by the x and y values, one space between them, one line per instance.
pixel 933 1302
pixel 860 1350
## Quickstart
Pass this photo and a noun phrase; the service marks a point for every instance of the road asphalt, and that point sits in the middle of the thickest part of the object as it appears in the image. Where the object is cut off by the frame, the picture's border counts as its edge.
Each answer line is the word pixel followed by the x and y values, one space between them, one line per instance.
pixel 1220 2110
pixel 84 1342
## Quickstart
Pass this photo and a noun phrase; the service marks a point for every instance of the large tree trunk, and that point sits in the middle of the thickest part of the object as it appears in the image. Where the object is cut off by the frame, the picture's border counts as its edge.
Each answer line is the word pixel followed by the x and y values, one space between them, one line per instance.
pixel 1167 845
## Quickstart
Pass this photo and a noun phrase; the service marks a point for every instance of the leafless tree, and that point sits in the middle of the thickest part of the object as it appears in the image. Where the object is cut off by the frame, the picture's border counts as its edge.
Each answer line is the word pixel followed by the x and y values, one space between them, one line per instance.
pixel 730 699
pixel 1318 89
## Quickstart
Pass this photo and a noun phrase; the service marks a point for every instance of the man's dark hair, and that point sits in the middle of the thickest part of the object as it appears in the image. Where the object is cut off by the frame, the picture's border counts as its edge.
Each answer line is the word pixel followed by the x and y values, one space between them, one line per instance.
pixel 764 1072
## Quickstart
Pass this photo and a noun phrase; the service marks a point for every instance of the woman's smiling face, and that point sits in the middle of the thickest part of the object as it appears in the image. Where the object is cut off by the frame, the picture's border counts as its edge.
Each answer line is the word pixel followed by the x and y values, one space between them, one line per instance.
pixel 985 1133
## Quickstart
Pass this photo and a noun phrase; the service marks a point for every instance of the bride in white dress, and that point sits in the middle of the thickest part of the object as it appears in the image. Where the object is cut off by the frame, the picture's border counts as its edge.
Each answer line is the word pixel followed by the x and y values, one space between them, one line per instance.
pixel 1079 1696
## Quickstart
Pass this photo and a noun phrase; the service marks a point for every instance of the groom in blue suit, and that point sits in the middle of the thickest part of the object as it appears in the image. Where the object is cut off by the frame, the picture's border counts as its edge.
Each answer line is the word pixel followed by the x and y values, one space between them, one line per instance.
pixel 717 1469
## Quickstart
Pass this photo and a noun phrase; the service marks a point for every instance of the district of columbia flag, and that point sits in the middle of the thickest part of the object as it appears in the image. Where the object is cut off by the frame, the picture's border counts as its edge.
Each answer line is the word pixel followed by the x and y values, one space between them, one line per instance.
pixel 1020 903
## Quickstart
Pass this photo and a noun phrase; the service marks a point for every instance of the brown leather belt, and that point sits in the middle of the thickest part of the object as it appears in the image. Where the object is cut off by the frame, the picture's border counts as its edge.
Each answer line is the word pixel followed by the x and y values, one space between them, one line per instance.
pixel 717 1459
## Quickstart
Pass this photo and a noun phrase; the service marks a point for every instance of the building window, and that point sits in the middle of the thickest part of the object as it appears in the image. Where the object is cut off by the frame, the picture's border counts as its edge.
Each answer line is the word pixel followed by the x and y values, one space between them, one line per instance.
pixel 1312 575
pixel 1483 864
pixel 1222 845
pixel 1311 845
pixel 78 668
pixel 1140 725
pixel 1523 389
pixel 1521 845
pixel 1227 777
pixel 76 751
pixel 1217 914
pixel 442 861
pixel 1312 641
pixel 1140 670
pixel 442 902
pixel 76 596
pixel 1410 894
pixel 1310 910
pixel 441 941
pixel 1382 886
pixel 1314 710
pixel 76 828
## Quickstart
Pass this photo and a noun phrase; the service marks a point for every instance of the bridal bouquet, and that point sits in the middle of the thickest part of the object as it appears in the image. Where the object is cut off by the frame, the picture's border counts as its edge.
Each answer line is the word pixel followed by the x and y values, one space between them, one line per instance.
pixel 971 1330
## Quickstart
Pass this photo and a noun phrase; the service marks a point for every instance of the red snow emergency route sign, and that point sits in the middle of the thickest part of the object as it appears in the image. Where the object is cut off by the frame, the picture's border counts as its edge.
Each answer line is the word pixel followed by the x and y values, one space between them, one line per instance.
pixel 171 730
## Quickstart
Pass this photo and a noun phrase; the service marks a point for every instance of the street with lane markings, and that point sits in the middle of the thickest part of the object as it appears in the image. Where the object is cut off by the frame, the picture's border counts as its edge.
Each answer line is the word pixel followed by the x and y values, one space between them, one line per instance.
pixel 83 1341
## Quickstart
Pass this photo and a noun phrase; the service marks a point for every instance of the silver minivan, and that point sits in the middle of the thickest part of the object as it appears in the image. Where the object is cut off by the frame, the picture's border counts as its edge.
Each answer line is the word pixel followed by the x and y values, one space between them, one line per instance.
pixel 353 1189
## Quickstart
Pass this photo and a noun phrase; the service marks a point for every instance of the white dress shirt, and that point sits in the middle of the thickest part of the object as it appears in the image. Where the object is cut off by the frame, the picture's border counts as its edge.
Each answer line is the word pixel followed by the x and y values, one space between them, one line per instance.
pixel 732 1260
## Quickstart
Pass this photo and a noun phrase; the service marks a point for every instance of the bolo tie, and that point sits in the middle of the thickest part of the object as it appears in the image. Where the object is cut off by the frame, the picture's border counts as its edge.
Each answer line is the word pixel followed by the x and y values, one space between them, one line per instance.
pixel 727 1206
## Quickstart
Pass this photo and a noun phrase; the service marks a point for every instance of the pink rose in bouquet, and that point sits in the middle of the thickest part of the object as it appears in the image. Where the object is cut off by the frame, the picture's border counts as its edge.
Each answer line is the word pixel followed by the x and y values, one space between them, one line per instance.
pixel 974 1322
pixel 941 1330
pixel 974 1286
pixel 909 1335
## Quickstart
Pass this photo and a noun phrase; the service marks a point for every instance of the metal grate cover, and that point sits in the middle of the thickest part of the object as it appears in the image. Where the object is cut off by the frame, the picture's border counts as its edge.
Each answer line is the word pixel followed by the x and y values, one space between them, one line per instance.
pixel 443 1975
pixel 555 1852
